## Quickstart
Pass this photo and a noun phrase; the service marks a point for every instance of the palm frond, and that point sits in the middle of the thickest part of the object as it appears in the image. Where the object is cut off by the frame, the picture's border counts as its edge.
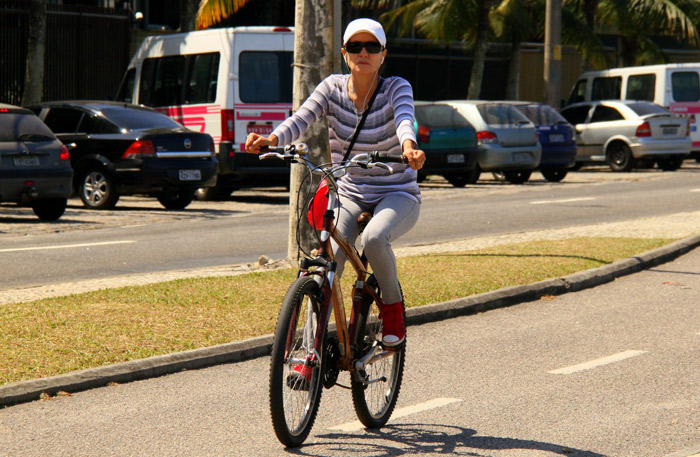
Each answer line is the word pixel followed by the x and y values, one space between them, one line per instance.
pixel 211 12
pixel 576 33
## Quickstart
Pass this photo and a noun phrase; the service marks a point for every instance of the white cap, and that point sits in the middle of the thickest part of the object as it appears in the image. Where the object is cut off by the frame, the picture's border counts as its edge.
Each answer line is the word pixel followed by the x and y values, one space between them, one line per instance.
pixel 365 25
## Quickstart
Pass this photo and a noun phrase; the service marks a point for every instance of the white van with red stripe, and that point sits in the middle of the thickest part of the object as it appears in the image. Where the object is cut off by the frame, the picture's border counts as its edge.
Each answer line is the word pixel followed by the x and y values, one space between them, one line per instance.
pixel 673 86
pixel 226 82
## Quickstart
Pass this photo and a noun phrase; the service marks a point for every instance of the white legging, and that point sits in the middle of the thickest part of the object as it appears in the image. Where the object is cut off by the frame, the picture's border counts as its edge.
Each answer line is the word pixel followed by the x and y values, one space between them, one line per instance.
pixel 393 216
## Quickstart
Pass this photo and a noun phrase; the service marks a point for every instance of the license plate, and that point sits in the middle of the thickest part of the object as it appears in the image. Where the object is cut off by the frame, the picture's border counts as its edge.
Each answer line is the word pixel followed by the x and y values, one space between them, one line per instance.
pixel 455 158
pixel 190 175
pixel 521 157
pixel 260 129
pixel 669 131
pixel 26 161
pixel 556 138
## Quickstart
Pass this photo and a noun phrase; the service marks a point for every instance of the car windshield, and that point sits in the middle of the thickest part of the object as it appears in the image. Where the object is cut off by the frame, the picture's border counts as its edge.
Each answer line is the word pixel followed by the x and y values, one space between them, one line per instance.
pixel 440 117
pixel 23 127
pixel 643 109
pixel 501 114
pixel 541 114
pixel 138 119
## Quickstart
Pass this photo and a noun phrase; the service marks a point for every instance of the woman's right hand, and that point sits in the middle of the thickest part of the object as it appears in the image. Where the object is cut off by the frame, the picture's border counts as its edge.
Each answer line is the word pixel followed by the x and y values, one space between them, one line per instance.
pixel 254 142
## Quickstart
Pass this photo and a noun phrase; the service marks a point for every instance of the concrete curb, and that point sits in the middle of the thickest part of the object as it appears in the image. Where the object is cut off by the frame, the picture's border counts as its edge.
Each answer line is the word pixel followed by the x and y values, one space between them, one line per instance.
pixel 25 391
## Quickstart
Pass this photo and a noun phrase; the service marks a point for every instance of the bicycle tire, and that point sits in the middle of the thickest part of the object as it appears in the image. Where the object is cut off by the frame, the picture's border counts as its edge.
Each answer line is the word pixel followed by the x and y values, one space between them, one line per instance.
pixel 374 403
pixel 293 407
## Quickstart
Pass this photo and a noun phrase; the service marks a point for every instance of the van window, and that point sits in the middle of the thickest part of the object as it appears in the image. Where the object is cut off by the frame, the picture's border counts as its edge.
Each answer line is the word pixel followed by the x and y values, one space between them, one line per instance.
pixel 641 87
pixel 126 88
pixel 685 86
pixel 178 80
pixel 578 94
pixel 167 82
pixel 202 79
pixel 265 77
pixel 605 114
pixel 606 88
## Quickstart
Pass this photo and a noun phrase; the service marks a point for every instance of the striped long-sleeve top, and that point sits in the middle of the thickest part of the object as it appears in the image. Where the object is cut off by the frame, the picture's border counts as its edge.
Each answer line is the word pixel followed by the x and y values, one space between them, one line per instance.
pixel 388 124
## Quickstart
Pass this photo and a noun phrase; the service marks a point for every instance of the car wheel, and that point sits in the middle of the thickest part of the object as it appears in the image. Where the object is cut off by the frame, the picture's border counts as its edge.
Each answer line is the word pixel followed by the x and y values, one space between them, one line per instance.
pixel 97 190
pixel 476 174
pixel 554 174
pixel 461 179
pixel 517 176
pixel 670 163
pixel 49 209
pixel 176 200
pixel 421 176
pixel 619 157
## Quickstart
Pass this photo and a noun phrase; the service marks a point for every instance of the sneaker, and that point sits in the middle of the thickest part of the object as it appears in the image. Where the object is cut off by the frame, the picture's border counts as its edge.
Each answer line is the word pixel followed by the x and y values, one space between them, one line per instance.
pixel 393 327
pixel 300 378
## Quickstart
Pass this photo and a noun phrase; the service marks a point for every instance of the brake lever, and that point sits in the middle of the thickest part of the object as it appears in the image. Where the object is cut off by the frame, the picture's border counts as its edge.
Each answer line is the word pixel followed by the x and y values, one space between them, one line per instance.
pixel 381 165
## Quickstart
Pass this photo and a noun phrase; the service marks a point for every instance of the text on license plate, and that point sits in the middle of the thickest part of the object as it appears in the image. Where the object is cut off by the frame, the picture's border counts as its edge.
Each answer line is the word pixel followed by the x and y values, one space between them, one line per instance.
pixel 190 175
pixel 26 161
pixel 455 158
pixel 669 131
pixel 556 138
pixel 260 129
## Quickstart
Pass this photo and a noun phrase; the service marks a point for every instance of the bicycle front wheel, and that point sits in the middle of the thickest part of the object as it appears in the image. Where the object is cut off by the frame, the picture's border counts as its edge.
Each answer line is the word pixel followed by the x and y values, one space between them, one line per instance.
pixel 376 389
pixel 295 381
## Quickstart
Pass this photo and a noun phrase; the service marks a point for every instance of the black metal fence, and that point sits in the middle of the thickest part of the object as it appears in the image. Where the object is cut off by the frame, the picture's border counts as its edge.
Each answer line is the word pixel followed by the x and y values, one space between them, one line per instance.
pixel 87 51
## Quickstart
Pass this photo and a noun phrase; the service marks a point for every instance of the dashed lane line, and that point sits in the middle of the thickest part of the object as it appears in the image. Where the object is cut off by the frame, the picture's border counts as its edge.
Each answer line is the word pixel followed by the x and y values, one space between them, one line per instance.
pixel 401 412
pixel 568 200
pixel 67 246
pixel 598 362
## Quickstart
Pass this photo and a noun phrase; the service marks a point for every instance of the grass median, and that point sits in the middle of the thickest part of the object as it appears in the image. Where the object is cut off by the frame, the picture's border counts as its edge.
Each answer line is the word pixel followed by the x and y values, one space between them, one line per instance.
pixel 59 335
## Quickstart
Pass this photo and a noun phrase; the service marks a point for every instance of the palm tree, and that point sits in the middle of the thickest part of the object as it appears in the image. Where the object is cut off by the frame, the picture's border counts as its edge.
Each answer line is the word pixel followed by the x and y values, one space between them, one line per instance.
pixel 36 46
pixel 212 12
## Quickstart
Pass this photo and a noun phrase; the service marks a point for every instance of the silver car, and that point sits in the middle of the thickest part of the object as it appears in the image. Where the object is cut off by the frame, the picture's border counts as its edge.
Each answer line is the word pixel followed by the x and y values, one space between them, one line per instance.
pixel 507 140
pixel 35 167
pixel 624 133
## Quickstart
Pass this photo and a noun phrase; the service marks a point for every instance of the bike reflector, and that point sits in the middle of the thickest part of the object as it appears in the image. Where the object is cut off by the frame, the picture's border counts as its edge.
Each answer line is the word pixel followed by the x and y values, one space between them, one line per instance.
pixel 318 206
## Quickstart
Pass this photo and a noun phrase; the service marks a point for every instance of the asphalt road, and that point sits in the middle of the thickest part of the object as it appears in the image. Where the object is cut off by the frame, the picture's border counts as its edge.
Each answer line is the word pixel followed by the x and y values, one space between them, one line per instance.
pixel 610 371
pixel 140 237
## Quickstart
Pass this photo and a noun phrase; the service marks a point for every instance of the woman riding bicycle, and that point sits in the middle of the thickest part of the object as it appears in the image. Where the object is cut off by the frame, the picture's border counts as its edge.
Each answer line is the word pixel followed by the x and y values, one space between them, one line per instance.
pixel 393 199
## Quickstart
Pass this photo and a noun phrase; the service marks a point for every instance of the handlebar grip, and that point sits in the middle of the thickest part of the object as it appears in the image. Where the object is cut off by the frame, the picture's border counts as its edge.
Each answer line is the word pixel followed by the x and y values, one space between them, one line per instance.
pixel 274 149
pixel 377 156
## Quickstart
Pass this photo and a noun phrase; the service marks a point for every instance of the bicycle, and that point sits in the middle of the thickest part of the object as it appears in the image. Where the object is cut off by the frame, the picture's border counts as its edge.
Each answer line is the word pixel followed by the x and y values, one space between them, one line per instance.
pixel 306 356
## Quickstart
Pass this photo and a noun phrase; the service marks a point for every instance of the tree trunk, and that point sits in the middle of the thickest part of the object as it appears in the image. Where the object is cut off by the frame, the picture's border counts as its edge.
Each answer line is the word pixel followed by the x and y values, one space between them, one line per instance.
pixel 513 80
pixel 36 47
pixel 188 14
pixel 313 61
pixel 482 36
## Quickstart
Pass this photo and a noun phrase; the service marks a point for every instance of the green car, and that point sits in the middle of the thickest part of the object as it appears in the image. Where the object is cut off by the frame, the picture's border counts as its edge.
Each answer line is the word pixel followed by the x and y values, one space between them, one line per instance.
pixel 449 142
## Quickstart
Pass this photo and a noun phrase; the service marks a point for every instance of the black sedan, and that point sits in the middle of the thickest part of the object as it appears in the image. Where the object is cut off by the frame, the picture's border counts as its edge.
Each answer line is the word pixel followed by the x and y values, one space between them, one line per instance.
pixel 120 149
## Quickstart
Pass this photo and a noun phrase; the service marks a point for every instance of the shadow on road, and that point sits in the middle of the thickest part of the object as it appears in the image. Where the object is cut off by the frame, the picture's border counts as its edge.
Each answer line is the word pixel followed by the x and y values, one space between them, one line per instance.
pixel 426 439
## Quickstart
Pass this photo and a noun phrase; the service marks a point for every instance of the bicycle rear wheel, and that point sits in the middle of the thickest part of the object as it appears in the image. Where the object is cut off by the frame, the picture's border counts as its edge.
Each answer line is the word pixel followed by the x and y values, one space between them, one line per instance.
pixel 375 400
pixel 296 384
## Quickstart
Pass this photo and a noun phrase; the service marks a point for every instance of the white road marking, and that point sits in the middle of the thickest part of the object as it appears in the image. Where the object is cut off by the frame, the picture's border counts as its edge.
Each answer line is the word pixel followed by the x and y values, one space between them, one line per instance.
pixel 401 412
pixel 598 362
pixel 67 246
pixel 568 200
pixel 693 452
pixel 695 190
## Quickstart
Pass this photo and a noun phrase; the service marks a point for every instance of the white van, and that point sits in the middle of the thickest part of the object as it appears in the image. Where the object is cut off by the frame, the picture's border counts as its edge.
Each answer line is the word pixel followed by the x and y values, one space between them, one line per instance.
pixel 226 82
pixel 673 86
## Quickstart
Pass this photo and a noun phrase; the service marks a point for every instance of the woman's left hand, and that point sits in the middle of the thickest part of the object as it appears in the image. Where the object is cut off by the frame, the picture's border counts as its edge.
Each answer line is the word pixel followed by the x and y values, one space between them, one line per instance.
pixel 416 157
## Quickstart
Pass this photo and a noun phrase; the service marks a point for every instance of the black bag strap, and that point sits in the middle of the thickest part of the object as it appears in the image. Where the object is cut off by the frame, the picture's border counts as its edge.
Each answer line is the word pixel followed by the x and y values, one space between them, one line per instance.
pixel 362 121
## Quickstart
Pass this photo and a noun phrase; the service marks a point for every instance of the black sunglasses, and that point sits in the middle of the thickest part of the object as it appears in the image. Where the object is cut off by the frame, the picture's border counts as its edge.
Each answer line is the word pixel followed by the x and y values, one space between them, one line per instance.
pixel 355 47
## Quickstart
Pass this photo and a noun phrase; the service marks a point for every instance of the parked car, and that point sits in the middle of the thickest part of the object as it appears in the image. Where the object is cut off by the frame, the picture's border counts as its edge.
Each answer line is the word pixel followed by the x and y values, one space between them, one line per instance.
pixel 556 136
pixel 507 140
pixel 622 132
pixel 122 149
pixel 34 166
pixel 449 142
